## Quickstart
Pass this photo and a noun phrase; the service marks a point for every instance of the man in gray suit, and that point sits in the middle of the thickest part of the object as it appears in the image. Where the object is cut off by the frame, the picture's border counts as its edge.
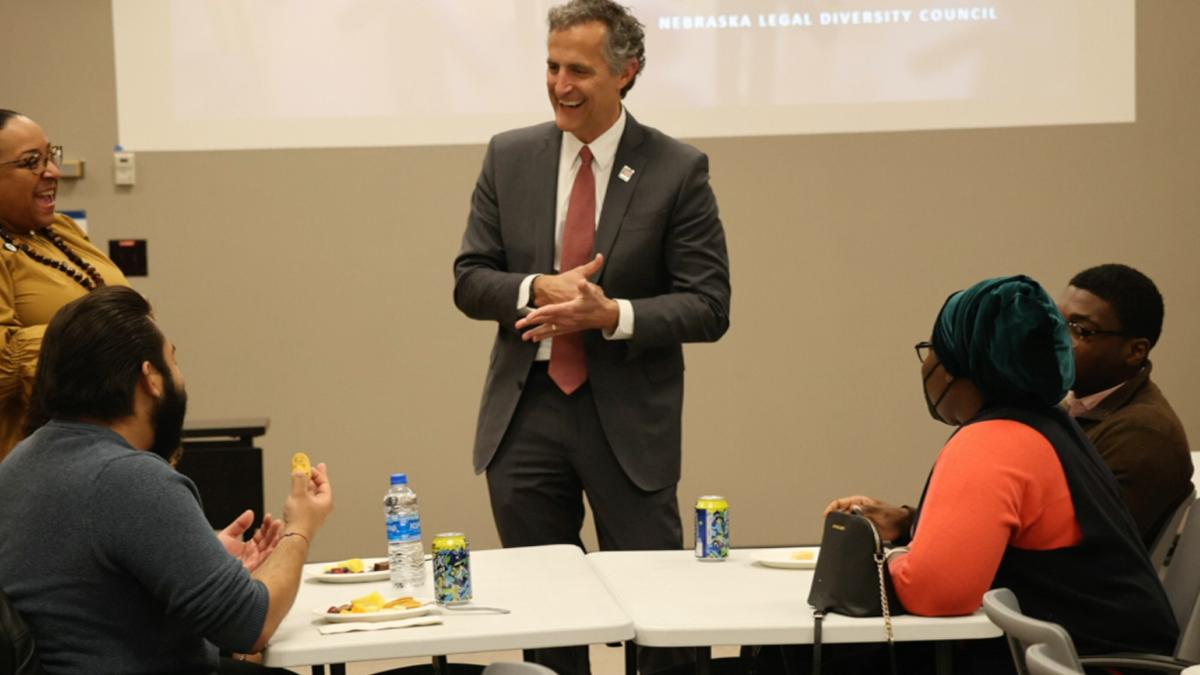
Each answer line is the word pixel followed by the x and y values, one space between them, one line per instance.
pixel 594 242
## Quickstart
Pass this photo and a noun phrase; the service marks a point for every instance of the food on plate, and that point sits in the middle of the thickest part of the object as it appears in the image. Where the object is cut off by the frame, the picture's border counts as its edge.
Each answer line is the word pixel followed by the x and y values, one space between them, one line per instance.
pixel 804 555
pixel 351 566
pixel 301 461
pixel 368 603
pixel 355 566
pixel 375 603
pixel 403 603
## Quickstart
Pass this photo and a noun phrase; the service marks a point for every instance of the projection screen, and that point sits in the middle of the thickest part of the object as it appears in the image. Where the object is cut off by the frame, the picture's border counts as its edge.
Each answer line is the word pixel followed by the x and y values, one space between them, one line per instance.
pixel 247 74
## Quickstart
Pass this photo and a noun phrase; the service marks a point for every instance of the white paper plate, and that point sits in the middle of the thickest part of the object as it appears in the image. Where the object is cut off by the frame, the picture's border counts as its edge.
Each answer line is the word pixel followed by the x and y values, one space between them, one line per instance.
pixel 784 558
pixel 318 572
pixel 385 615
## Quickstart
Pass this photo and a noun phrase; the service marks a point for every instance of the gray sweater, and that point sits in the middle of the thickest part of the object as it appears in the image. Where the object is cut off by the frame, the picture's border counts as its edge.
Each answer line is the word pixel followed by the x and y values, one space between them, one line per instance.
pixel 106 553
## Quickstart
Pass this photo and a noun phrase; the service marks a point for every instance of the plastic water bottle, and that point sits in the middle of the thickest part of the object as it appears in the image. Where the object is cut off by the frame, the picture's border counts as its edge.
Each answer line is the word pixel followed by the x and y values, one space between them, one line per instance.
pixel 406 556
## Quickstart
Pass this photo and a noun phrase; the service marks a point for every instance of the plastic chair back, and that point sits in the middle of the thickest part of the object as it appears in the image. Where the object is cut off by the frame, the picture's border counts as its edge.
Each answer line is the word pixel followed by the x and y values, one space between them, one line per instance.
pixel 18 653
pixel 1041 661
pixel 517 668
pixel 1166 537
pixel 1182 584
pixel 1002 608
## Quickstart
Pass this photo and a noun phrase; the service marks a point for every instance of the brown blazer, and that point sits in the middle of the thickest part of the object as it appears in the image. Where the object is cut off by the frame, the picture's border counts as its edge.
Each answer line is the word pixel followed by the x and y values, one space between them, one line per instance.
pixel 1143 442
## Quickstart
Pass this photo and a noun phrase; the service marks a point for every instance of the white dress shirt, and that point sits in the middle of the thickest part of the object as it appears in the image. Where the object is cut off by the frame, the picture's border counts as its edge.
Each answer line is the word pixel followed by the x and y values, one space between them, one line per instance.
pixel 604 154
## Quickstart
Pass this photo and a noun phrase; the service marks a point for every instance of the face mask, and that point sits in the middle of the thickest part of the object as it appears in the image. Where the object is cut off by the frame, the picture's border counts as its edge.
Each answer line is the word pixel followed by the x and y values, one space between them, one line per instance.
pixel 934 404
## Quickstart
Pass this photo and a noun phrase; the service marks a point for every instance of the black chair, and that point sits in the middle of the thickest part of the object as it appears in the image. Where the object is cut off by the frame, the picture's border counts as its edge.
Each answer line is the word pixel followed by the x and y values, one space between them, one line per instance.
pixel 18 653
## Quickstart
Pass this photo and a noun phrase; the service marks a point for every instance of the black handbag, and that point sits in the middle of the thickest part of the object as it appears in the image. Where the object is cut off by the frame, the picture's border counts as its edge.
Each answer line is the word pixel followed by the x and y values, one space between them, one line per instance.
pixel 851 578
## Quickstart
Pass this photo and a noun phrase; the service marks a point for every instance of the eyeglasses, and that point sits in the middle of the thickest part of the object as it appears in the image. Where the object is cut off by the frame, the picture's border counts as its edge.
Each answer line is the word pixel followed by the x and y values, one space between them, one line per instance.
pixel 923 350
pixel 1085 333
pixel 38 163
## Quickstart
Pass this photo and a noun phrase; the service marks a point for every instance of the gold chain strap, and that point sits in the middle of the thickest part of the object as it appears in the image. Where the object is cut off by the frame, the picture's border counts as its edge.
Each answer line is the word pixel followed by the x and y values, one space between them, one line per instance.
pixel 887 614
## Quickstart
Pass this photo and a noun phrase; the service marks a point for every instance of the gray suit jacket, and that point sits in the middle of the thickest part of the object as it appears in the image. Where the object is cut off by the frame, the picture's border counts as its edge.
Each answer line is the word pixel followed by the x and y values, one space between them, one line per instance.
pixel 664 250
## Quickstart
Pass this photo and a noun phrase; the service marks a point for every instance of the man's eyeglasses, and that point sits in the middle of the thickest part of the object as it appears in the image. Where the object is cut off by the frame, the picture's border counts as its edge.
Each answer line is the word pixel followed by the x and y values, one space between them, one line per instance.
pixel 37 162
pixel 923 350
pixel 1085 333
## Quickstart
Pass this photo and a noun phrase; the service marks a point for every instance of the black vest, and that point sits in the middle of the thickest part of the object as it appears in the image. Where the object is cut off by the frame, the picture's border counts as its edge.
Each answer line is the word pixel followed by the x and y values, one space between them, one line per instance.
pixel 1104 591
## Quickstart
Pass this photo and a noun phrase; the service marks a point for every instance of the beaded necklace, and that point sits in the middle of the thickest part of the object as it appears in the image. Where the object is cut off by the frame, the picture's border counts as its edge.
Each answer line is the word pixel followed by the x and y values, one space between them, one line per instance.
pixel 91 281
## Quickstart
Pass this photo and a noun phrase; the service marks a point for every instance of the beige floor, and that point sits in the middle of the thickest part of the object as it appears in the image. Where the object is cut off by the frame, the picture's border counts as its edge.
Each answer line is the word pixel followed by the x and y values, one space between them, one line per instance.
pixel 605 661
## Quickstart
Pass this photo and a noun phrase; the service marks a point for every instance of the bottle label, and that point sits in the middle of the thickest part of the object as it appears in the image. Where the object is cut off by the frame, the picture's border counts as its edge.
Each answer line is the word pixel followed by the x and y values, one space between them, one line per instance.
pixel 404 528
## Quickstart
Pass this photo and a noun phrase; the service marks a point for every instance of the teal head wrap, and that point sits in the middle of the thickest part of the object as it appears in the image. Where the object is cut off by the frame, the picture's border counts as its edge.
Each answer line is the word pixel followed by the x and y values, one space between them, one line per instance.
pixel 1008 337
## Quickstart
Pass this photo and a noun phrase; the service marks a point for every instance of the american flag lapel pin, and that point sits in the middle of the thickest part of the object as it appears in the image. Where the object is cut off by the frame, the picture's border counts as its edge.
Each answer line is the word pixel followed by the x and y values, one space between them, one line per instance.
pixel 626 174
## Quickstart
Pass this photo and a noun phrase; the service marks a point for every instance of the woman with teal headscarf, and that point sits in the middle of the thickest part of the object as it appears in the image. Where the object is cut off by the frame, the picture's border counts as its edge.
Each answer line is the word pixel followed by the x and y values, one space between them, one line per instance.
pixel 1018 497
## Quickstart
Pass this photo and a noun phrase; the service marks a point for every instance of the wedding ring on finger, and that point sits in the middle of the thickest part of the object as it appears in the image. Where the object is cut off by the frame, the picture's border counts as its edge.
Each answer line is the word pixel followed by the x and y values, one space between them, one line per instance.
pixel 553 328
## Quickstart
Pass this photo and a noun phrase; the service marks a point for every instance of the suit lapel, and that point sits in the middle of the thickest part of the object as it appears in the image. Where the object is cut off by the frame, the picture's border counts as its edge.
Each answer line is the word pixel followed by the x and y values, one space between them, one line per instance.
pixel 616 200
pixel 545 192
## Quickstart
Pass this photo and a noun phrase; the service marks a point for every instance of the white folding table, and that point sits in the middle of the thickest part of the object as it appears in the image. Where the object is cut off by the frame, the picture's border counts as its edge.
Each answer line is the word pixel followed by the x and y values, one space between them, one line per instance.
pixel 678 601
pixel 555 597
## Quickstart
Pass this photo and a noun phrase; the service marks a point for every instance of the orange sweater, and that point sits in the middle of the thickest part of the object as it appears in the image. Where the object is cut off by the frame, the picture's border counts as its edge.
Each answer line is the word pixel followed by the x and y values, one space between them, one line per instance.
pixel 996 484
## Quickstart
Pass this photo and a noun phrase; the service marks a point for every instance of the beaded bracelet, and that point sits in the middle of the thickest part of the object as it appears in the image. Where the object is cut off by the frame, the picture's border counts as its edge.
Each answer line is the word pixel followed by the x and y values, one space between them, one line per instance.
pixel 306 541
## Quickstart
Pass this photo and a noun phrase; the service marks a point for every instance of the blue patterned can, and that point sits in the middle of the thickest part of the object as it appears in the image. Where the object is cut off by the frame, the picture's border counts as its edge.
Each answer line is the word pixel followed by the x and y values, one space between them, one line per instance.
pixel 451 569
pixel 712 528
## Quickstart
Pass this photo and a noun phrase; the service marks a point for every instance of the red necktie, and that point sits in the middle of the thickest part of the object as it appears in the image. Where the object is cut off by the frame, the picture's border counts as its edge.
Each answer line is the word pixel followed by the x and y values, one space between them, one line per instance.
pixel 568 364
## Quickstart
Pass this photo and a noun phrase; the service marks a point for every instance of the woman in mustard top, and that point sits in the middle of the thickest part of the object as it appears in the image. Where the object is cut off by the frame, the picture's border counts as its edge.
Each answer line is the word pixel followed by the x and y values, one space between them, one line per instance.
pixel 46 261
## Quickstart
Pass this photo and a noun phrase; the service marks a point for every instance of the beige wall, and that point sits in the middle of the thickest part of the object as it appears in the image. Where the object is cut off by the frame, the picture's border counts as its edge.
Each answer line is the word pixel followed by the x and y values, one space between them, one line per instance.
pixel 314 286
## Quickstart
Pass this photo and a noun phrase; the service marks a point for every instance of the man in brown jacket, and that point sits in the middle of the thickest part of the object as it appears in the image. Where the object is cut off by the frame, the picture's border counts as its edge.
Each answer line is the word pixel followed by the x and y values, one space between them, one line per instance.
pixel 1115 315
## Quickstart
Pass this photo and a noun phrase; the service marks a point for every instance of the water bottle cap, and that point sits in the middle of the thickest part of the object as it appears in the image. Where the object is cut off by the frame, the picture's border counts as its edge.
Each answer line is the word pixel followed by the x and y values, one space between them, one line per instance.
pixel 399 479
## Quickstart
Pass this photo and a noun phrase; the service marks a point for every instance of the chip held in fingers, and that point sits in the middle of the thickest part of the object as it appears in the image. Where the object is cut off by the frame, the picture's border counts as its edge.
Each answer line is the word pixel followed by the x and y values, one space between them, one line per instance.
pixel 301 461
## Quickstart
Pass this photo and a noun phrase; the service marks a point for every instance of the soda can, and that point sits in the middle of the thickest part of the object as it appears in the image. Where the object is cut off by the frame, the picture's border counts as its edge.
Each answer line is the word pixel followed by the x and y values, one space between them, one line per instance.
pixel 451 569
pixel 712 528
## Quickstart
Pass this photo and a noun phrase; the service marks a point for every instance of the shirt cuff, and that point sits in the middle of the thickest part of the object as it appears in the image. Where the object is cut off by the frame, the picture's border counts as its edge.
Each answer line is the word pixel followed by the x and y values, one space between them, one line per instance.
pixel 624 329
pixel 524 292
